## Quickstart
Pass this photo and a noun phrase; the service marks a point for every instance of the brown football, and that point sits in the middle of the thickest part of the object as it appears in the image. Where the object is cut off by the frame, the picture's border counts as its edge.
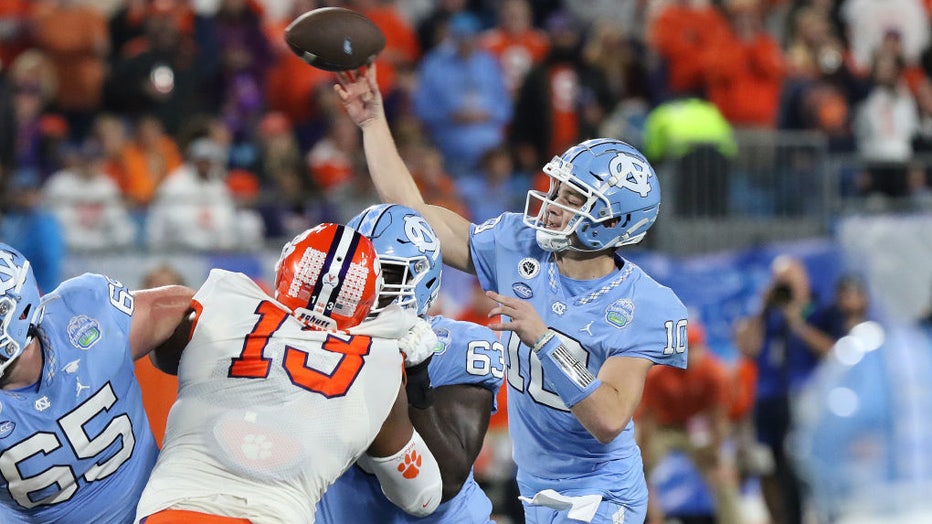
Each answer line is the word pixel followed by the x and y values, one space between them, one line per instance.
pixel 334 38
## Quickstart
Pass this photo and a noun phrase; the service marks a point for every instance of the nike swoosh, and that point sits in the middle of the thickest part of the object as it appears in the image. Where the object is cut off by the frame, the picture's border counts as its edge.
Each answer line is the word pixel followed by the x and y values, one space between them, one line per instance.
pixel 424 505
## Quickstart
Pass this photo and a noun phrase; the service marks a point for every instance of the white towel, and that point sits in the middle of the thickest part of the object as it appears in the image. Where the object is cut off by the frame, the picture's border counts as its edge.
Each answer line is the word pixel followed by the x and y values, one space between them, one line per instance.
pixel 581 508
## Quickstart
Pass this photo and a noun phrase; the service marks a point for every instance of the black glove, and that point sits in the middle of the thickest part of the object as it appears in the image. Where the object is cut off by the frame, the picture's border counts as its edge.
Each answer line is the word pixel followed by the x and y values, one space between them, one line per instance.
pixel 417 385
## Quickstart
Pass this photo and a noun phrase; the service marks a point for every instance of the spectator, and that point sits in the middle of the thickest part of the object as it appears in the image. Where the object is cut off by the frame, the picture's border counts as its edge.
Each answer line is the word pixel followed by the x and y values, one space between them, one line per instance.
pixel 433 180
pixel 561 101
pixel 884 126
pixel 291 85
pixel 462 99
pixel 159 390
pixel 164 73
pixel 290 196
pixel 432 29
pixel 786 341
pixel 27 225
pixel 744 74
pixel 402 49
pixel 869 21
pixel 849 307
pixel 819 86
pixel 16 36
pixel 193 208
pixel 75 37
pixel 87 202
pixel 688 410
pixel 330 162
pixel 694 140
pixel 110 132
pixel 497 187
pixel 36 132
pixel 515 42
pixel 682 33
pixel 245 56
pixel 147 159
pixel 621 59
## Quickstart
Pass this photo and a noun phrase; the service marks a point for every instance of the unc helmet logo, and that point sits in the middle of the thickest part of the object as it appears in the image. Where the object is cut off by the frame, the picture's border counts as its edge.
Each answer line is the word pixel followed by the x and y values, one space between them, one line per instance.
pixel 420 234
pixel 630 173
pixel 9 272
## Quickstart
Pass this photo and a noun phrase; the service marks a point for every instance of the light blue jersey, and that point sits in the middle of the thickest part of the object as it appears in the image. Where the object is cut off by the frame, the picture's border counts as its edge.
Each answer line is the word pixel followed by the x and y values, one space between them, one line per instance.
pixel 626 313
pixel 471 354
pixel 76 447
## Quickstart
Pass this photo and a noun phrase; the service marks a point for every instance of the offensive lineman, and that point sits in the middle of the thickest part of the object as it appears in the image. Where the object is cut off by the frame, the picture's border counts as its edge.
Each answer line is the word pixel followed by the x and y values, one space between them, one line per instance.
pixel 465 372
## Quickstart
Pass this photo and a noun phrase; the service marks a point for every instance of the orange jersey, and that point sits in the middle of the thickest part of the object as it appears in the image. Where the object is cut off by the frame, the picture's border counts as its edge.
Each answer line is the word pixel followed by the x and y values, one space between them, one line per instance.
pixel 159 391
pixel 676 395
pixel 515 53
pixel 744 389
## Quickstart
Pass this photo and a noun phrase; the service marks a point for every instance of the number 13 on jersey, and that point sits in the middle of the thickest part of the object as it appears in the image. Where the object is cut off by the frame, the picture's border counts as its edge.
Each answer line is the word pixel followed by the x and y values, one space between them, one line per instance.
pixel 251 363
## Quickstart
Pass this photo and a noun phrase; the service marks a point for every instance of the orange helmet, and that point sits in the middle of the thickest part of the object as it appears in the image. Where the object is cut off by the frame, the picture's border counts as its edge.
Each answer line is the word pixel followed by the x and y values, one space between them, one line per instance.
pixel 329 276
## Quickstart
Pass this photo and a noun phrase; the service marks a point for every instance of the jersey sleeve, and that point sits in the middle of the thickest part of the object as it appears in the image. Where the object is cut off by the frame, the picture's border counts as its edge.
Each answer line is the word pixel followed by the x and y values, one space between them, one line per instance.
pixel 471 354
pixel 657 330
pixel 485 245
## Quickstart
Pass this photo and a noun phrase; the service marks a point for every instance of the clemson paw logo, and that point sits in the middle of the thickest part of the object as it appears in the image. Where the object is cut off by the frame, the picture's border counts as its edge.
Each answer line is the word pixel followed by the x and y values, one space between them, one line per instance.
pixel 256 447
pixel 411 465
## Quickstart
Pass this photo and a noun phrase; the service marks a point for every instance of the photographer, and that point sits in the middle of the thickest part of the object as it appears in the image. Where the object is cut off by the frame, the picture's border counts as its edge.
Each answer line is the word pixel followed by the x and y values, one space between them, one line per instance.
pixel 786 339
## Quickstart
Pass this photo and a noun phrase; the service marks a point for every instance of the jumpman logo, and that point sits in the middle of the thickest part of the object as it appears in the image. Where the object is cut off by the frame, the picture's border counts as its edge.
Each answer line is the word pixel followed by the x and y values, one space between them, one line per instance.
pixel 587 327
pixel 80 387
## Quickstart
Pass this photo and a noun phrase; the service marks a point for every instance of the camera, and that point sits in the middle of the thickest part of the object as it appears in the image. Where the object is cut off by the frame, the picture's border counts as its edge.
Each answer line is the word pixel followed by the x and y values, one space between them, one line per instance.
pixel 781 294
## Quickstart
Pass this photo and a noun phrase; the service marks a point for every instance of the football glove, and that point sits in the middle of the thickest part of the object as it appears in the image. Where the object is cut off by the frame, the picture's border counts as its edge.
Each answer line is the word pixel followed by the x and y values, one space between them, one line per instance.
pixel 419 343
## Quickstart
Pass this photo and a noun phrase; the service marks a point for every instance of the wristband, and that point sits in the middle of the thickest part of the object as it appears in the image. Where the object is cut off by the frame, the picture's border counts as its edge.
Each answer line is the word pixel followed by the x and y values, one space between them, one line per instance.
pixel 565 374
pixel 546 337
pixel 417 385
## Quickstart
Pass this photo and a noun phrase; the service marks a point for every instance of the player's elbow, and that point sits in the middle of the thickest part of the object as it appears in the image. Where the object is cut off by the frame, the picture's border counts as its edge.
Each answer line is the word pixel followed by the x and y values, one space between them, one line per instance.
pixel 454 478
pixel 607 430
pixel 410 478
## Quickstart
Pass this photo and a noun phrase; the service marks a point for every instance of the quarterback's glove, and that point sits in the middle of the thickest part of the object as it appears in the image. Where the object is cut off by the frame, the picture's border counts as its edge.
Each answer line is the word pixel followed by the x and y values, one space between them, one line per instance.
pixel 419 343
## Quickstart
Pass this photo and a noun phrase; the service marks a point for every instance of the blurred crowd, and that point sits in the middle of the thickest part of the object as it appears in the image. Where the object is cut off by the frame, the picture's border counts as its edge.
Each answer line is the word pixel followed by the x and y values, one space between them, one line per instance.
pixel 190 124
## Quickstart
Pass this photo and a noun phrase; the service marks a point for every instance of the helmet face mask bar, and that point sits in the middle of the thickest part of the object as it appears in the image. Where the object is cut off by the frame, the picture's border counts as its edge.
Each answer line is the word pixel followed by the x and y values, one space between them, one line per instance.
pixel 620 193
pixel 409 252
pixel 402 277
pixel 20 308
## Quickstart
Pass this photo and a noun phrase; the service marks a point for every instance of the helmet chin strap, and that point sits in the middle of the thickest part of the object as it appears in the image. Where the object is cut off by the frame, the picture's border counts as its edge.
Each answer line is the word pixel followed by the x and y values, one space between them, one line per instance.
pixel 554 243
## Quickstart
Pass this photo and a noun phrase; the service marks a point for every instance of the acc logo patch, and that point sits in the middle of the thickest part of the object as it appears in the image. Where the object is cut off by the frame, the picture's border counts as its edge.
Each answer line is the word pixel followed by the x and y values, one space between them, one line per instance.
pixel 443 337
pixel 83 332
pixel 528 268
pixel 7 427
pixel 522 290
pixel 620 313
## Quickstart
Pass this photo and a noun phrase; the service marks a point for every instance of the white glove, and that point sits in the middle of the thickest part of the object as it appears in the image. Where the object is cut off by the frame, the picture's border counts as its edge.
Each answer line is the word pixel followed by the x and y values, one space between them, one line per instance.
pixel 419 343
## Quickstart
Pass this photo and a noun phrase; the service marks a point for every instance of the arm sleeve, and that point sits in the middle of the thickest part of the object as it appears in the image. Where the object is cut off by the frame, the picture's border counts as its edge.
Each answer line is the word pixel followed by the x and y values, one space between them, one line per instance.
pixel 410 479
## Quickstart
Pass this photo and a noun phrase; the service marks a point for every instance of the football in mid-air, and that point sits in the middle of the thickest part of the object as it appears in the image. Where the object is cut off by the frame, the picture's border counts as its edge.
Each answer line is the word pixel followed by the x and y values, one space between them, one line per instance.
pixel 334 38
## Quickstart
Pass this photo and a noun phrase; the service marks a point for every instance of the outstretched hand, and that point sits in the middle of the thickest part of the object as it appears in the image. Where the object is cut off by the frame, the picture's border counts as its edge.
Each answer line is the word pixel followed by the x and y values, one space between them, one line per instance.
pixel 359 93
pixel 525 321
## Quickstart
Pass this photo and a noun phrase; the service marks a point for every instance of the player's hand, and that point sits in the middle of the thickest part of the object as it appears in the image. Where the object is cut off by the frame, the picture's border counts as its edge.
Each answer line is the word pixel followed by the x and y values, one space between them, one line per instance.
pixel 525 321
pixel 419 343
pixel 359 93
